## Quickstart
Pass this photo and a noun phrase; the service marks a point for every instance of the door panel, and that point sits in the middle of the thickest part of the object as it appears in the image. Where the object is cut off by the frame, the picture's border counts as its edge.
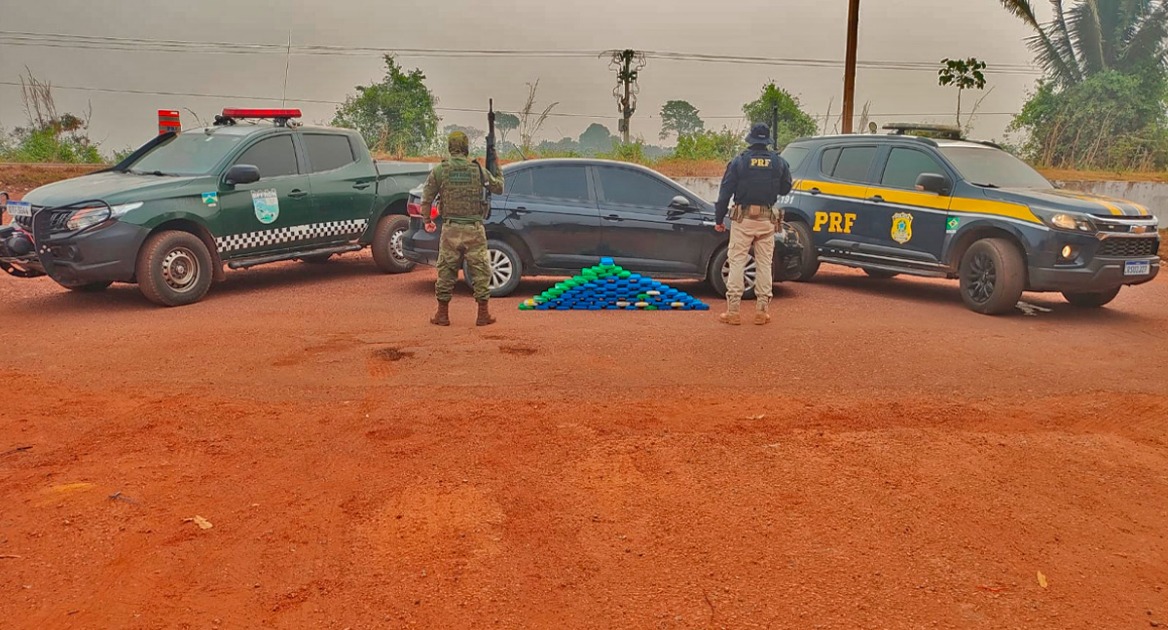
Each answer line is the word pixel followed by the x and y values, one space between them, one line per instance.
pixel 913 222
pixel 639 229
pixel 836 200
pixel 268 215
pixel 554 210
pixel 343 187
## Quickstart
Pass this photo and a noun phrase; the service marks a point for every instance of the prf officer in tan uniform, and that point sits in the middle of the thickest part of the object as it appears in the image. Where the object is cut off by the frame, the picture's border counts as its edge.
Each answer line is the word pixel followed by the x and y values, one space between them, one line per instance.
pixel 756 178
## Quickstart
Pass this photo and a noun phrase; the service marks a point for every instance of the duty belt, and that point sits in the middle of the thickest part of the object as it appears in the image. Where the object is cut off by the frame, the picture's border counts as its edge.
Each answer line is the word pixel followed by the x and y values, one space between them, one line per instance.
pixel 464 220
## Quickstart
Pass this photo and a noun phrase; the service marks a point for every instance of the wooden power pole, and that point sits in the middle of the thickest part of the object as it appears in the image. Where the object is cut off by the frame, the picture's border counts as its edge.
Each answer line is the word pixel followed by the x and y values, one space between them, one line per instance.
pixel 850 66
pixel 627 64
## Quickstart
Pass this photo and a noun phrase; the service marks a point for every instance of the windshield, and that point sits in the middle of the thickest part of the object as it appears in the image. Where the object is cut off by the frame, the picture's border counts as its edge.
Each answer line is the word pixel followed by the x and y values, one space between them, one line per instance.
pixel 991 167
pixel 193 153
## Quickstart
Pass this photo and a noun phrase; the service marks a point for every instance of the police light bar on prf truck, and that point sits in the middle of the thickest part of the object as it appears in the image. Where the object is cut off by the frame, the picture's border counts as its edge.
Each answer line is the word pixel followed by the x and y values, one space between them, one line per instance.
pixel 279 116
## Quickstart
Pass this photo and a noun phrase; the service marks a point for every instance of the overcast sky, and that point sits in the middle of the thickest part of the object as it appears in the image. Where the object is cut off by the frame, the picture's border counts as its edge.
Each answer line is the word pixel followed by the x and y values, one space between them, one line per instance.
pixel 890 30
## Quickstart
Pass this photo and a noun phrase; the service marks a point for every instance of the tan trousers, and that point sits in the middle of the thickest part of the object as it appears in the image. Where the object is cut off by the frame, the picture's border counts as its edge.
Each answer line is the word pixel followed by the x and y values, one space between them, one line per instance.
pixel 743 235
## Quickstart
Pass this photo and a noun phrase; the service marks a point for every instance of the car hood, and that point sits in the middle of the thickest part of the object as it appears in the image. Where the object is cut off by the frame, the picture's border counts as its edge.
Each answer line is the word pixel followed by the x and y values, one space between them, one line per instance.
pixel 1069 200
pixel 109 186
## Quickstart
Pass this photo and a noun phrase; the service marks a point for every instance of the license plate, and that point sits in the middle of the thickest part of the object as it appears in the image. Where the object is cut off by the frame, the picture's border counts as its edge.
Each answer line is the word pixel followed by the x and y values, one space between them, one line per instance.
pixel 1137 268
pixel 20 208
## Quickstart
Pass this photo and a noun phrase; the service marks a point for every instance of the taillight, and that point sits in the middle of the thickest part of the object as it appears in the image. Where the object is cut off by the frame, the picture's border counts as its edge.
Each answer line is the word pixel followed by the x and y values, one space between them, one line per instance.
pixel 414 209
pixel 433 211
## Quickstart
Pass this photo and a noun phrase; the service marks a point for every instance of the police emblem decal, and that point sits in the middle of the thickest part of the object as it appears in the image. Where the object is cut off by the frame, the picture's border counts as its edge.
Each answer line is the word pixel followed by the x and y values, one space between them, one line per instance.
pixel 902 227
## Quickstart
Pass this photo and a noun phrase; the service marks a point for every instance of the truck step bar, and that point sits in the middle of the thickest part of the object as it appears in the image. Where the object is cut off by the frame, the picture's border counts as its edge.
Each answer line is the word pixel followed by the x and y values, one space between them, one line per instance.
pixel 894 268
pixel 263 260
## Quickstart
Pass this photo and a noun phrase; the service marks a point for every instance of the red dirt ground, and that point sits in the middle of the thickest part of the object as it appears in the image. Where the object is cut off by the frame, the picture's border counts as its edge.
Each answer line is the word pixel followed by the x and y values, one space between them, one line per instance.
pixel 878 457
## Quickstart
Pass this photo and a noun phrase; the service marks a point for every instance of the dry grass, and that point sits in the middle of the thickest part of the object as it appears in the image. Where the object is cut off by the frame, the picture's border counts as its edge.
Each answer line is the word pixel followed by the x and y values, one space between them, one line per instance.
pixel 24 177
pixel 1103 176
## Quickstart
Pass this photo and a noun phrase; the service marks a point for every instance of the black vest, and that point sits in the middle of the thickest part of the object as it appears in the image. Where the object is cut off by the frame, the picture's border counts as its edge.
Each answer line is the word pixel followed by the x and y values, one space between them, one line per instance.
pixel 759 176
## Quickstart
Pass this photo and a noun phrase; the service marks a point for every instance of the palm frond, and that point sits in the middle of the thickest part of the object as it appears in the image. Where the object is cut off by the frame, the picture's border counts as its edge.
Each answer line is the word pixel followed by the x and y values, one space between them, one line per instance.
pixel 1061 39
pixel 1047 54
pixel 1150 36
pixel 1088 37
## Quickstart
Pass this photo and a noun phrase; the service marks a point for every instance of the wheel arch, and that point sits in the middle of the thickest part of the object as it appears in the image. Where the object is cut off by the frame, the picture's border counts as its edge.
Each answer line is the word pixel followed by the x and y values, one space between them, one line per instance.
pixel 495 233
pixel 198 229
pixel 974 233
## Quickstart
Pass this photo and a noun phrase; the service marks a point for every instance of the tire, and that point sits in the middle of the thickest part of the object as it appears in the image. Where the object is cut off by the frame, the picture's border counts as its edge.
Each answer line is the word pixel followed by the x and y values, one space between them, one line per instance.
pixel 880 274
pixel 174 268
pixel 387 244
pixel 1091 300
pixel 318 259
pixel 88 287
pixel 809 264
pixel 992 276
pixel 720 270
pixel 506 269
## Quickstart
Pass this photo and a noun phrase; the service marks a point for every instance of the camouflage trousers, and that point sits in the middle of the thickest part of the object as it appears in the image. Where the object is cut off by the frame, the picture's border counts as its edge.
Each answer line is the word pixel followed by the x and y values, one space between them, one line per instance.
pixel 457 241
pixel 743 235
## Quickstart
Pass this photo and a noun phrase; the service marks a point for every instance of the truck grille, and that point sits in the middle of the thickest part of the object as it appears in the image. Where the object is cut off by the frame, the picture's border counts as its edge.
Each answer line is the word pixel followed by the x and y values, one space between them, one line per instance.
pixel 1128 247
pixel 57 224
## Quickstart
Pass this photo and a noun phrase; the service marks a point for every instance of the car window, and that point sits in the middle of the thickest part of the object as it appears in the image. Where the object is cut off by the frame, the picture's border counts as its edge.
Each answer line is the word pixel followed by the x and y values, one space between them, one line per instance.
pixel 795 156
pixel 519 183
pixel 328 152
pixel 905 165
pixel 828 160
pixel 273 156
pixel 986 166
pixel 625 186
pixel 854 163
pixel 560 182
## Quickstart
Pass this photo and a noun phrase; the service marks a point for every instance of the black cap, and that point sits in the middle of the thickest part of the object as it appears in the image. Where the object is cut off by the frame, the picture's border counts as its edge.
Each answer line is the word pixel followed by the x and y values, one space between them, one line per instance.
pixel 759 134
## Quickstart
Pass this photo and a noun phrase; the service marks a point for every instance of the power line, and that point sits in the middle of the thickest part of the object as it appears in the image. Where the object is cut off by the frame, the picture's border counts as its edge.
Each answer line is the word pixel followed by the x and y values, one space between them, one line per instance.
pixel 127 44
pixel 472 110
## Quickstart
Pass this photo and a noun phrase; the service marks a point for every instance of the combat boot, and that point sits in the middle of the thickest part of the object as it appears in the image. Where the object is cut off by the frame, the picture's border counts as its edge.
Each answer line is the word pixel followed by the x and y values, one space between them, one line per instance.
pixel 485 318
pixel 730 317
pixel 442 317
pixel 762 316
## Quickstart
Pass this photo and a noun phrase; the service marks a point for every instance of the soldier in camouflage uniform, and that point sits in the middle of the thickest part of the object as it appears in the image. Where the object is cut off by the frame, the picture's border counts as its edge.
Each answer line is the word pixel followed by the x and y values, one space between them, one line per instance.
pixel 458 184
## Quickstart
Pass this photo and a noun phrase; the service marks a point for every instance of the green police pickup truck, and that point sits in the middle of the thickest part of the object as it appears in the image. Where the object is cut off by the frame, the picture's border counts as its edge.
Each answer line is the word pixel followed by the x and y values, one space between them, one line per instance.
pixel 253 188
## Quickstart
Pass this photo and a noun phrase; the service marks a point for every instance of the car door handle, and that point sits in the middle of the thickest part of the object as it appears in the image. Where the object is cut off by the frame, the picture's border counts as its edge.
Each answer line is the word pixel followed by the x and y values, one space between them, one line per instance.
pixel 613 217
pixel 297 194
pixel 814 191
pixel 361 185
pixel 520 210
pixel 876 198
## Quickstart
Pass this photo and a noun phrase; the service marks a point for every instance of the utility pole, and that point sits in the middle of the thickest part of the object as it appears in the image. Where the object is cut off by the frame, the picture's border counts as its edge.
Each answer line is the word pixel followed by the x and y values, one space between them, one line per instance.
pixel 850 66
pixel 627 64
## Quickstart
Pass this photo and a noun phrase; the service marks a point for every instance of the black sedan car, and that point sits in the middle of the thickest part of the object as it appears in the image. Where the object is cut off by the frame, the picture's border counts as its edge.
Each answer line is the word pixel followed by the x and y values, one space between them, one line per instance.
pixel 558 216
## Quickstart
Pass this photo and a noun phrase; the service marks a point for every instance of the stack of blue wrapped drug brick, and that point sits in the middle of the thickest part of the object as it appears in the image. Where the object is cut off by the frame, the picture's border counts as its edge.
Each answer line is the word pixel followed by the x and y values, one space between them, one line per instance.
pixel 607 287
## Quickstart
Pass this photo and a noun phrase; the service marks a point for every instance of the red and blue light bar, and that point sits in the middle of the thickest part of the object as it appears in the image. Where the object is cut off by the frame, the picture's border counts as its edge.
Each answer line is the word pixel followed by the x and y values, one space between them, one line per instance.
pixel 242 112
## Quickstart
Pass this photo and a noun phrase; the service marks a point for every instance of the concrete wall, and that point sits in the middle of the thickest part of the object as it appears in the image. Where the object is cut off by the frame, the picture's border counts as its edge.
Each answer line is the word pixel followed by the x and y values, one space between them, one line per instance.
pixel 1152 196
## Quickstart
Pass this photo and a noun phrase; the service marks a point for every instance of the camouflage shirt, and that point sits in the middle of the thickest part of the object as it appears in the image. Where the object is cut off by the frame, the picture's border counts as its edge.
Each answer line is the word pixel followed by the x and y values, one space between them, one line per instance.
pixel 458 183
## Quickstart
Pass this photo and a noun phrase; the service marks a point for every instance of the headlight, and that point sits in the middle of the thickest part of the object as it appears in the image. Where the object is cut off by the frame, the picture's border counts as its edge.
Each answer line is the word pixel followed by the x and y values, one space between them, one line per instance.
pixel 92 216
pixel 1066 221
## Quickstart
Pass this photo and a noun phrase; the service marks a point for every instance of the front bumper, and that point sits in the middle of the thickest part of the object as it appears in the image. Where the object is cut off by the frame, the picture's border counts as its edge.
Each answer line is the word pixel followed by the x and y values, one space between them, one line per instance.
pixel 106 254
pixel 1101 274
pixel 1097 266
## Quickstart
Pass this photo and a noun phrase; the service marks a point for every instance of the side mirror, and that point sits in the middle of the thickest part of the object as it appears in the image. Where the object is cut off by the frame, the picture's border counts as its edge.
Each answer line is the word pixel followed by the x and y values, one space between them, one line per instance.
pixel 680 203
pixel 934 183
pixel 241 174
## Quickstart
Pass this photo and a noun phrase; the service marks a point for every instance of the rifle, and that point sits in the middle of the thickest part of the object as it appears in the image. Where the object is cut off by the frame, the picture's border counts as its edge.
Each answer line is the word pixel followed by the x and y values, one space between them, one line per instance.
pixel 775 127
pixel 492 157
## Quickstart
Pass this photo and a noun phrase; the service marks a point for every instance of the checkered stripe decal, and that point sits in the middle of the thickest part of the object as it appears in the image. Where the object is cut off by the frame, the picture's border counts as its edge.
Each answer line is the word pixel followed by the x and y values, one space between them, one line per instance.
pixel 266 238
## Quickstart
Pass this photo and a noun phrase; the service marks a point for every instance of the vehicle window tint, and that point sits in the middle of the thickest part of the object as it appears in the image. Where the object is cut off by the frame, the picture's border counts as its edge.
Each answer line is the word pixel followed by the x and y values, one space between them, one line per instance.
pixel 905 165
pixel 854 163
pixel 519 183
pixel 629 187
pixel 326 153
pixel 560 182
pixel 795 156
pixel 273 156
pixel 828 160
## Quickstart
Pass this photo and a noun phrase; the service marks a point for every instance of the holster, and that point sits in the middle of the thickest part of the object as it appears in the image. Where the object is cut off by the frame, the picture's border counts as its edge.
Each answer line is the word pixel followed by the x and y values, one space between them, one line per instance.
pixel 740 212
